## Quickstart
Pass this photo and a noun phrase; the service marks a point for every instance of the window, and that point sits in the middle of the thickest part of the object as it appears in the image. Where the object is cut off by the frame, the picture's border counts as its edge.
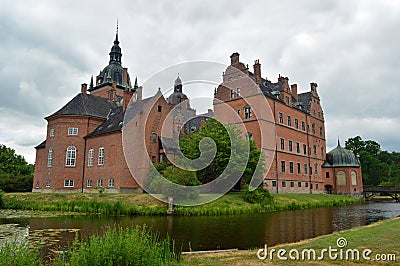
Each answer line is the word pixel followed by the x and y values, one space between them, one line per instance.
pixel 304 148
pixel 249 136
pixel 282 144
pixel 305 169
pixel 320 131
pixel 287 100
pixel 291 183
pixel 50 157
pixel 303 126
pixel 313 128
pixel 327 174
pixel 100 182
pixel 159 108
pixel 289 121
pixel 89 183
pixel 90 157
pixel 37 185
pixel 298 168
pixel 315 149
pixel 232 94
pixel 247 112
pixel 69 183
pixel 310 170
pixel 299 183
pixel 71 156
pixel 283 166
pixel 154 137
pixel 238 92
pixel 283 183
pixel 322 152
pixel 72 131
pixel 353 175
pixel 101 156
pixel 296 123
pixel 51 134
pixel 111 182
pixel 273 183
pixel 316 186
pixel 306 184
pixel 297 147
pixel 153 159
pixel 291 168
pixel 281 118
pixel 316 169
pixel 47 183
pixel 238 112
pixel 290 145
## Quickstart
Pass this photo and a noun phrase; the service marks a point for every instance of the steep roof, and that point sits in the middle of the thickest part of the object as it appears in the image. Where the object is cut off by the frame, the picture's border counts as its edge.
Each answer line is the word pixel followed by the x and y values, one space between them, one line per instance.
pixel 113 123
pixel 86 105
pixel 41 145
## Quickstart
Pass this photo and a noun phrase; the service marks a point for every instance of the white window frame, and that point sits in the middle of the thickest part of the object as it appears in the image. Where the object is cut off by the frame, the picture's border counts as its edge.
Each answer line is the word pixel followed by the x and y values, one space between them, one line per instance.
pixel 238 92
pixel 51 133
pixel 89 183
pixel 69 183
pixel 50 157
pixel 100 182
pixel 37 185
pixel 90 157
pixel 47 183
pixel 72 131
pixel 70 158
pixel 100 159
pixel 232 94
pixel 111 182
pixel 248 113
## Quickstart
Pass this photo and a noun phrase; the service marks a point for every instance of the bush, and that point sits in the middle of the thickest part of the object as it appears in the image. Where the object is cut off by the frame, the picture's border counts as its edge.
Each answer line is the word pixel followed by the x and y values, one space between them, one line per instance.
pixel 121 246
pixel 259 195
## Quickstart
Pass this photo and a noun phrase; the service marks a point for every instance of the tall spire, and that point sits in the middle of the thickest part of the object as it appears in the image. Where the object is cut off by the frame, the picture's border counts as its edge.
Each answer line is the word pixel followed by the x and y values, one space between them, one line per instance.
pixel 91 83
pixel 136 84
pixel 338 141
pixel 115 54
pixel 116 35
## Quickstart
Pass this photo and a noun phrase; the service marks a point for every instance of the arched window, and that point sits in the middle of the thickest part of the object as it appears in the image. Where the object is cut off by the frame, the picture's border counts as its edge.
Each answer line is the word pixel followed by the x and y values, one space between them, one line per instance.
pixel 353 178
pixel 341 178
pixel 50 157
pixel 71 156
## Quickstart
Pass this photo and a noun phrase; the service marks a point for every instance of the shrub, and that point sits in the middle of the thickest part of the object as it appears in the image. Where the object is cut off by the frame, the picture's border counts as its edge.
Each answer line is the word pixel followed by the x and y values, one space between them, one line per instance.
pixel 121 246
pixel 259 195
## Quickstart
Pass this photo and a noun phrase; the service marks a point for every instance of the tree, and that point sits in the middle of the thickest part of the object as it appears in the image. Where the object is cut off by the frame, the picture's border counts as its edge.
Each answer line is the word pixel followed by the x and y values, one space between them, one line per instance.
pixel 220 134
pixel 16 175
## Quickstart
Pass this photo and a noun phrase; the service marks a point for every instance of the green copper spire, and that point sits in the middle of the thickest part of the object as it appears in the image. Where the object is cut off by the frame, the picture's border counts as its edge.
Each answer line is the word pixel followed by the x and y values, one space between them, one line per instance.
pixel 136 84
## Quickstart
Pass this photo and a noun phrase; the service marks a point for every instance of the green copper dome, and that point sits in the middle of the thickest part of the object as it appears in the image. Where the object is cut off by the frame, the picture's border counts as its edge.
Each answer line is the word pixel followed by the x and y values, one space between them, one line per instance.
pixel 341 157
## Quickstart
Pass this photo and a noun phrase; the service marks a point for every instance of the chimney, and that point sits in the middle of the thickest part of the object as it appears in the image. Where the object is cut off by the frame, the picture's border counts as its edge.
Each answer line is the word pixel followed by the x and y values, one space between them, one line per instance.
pixel 139 93
pixel 127 94
pixel 235 58
pixel 257 71
pixel 84 88
pixel 294 91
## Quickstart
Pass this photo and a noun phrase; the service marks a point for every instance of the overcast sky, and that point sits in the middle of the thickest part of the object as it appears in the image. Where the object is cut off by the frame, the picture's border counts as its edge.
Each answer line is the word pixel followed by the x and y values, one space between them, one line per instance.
pixel 350 48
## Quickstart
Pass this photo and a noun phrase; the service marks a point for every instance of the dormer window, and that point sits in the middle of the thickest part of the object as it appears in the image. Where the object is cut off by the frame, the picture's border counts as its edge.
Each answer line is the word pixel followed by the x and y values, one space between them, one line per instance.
pixel 232 94
pixel 238 92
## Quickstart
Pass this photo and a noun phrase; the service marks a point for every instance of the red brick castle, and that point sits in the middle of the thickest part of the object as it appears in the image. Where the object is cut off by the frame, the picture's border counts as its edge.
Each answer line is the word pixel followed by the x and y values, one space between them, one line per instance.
pixel 83 148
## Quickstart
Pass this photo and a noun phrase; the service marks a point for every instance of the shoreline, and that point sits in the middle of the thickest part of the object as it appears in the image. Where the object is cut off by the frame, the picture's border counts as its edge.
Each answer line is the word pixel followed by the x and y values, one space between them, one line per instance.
pixel 144 204
pixel 380 237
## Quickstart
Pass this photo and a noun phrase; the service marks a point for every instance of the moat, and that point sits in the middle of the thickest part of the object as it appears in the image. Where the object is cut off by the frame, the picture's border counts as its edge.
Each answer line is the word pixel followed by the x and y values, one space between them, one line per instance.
pixel 209 232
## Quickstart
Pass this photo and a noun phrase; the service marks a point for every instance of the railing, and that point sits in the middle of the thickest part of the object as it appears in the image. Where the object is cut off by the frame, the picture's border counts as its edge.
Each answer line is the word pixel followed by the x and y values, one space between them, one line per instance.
pixel 382 189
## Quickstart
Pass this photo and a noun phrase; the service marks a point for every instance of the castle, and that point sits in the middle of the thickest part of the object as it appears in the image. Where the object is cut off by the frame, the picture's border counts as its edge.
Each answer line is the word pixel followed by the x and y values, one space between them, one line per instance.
pixel 83 150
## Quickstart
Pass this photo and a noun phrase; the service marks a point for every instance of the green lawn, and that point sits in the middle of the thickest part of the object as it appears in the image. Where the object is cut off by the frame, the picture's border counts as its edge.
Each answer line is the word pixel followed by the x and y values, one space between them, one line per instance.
pixel 144 204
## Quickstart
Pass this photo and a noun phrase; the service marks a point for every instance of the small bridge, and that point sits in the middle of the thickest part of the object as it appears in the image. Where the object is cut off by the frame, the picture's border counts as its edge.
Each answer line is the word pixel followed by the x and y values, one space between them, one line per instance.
pixel 372 191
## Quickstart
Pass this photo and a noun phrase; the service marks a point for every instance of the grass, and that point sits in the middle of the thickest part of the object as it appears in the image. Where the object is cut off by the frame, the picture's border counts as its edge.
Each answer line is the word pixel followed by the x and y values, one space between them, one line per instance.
pixel 117 246
pixel 381 238
pixel 143 204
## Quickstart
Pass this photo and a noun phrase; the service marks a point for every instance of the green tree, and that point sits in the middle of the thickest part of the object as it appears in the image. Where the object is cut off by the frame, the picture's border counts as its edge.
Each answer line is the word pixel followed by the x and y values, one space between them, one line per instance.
pixel 16 175
pixel 221 136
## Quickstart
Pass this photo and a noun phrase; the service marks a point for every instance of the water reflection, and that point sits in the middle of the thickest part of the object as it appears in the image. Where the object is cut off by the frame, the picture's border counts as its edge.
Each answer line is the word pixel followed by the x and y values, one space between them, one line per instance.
pixel 221 232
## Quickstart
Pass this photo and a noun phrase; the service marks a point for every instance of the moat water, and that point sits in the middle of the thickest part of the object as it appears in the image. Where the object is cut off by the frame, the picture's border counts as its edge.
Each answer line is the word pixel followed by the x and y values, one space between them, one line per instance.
pixel 209 232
